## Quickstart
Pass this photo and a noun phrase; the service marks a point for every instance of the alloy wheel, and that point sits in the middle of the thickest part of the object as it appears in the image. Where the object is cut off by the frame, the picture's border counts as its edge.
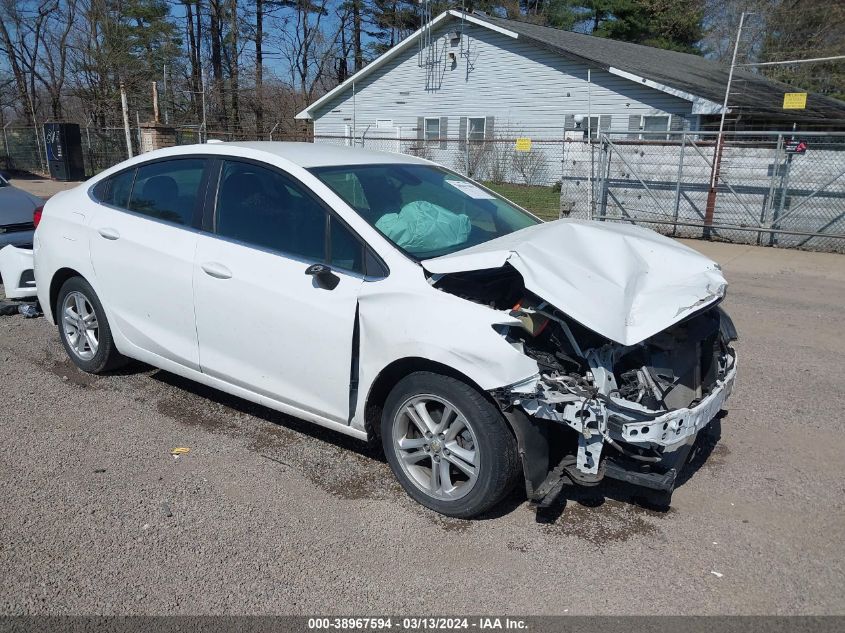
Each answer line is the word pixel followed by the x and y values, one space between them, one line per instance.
pixel 436 447
pixel 80 325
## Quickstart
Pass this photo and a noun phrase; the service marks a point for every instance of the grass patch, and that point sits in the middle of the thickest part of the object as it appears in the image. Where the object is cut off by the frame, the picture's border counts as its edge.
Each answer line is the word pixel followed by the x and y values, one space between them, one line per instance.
pixel 543 202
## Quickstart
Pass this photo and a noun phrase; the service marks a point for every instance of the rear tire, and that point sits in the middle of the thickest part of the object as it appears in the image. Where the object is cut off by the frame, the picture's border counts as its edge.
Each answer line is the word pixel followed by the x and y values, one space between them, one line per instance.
pixel 84 329
pixel 449 447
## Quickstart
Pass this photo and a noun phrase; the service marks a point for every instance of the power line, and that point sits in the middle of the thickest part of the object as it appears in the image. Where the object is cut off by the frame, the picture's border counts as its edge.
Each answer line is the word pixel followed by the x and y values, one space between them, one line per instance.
pixel 795 61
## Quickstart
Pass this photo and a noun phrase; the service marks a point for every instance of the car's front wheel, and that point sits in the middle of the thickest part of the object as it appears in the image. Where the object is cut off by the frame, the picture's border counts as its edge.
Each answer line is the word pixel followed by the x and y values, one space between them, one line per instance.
pixel 84 329
pixel 448 445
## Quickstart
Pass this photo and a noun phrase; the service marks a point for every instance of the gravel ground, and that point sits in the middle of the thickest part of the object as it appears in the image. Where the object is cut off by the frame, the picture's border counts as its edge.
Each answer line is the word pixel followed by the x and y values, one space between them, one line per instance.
pixel 267 514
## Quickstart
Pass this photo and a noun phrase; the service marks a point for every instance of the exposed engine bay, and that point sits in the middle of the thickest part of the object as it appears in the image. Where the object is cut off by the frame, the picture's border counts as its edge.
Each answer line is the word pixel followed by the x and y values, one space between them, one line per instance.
pixel 599 408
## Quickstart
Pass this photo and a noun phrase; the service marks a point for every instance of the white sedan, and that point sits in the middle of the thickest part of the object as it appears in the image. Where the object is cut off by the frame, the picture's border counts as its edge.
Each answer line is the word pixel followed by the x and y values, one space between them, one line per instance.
pixel 384 296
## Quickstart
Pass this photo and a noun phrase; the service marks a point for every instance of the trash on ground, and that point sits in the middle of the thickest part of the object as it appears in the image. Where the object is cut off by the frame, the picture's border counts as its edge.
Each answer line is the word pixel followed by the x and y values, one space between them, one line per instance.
pixel 179 450
pixel 717 574
pixel 30 310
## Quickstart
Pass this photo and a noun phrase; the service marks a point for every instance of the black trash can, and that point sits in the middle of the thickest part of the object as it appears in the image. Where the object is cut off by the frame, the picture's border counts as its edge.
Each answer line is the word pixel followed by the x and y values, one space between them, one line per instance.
pixel 64 151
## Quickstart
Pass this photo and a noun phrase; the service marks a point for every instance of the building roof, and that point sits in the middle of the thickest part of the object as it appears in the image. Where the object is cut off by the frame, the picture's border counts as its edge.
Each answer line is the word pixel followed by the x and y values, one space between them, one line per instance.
pixel 687 76
pixel 688 73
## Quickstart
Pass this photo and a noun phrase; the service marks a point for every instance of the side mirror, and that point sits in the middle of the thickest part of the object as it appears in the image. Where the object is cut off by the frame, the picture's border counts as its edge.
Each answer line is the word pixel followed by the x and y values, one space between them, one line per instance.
pixel 323 276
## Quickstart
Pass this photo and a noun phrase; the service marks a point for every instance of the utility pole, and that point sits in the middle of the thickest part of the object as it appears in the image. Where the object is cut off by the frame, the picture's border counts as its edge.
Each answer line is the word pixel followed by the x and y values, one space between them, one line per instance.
pixel 125 106
pixel 717 153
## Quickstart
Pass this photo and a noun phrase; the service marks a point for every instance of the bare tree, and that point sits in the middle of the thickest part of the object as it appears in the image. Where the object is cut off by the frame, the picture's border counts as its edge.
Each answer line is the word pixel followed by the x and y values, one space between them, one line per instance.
pixel 306 46
pixel 234 60
pixel 52 71
pixel 259 67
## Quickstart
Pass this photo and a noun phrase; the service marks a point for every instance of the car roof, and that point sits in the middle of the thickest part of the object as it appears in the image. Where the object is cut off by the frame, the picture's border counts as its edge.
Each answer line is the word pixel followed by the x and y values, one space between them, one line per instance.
pixel 323 154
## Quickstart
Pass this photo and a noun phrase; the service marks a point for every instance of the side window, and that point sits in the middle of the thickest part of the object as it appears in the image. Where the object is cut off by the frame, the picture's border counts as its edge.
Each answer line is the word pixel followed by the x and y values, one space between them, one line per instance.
pixel 115 190
pixel 347 250
pixel 432 130
pixel 168 190
pixel 262 207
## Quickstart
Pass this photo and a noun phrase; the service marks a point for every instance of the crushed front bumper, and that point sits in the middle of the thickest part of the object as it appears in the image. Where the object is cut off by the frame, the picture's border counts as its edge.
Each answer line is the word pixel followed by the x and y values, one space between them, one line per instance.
pixel 616 438
pixel 16 269
pixel 678 426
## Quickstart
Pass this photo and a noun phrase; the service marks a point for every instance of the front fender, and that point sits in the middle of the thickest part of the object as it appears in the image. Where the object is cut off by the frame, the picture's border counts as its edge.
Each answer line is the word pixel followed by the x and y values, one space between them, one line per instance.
pixel 398 323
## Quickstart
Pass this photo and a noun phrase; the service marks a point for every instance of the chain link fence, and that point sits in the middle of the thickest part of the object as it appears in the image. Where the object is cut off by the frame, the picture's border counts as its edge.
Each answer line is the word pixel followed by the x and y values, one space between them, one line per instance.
pixel 22 148
pixel 763 188
pixel 768 188
pixel 753 188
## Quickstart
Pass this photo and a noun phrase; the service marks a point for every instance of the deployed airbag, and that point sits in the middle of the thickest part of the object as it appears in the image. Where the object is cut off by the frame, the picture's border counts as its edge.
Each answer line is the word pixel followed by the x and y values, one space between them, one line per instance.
pixel 423 227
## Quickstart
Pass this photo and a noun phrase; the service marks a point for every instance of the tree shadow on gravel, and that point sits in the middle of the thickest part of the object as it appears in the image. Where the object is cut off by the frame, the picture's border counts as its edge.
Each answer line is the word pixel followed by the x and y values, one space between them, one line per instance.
pixel 335 438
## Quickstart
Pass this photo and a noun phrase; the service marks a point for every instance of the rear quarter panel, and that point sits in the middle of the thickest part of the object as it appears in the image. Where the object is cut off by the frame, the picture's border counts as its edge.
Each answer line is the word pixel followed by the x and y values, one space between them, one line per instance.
pixel 61 241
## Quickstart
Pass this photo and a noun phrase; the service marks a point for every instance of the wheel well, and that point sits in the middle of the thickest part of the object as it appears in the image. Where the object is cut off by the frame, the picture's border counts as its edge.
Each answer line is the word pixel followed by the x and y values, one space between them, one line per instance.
pixel 59 278
pixel 390 377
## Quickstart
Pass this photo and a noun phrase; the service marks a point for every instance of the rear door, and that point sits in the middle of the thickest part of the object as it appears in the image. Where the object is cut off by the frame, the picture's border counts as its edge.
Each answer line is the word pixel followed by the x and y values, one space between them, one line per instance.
pixel 263 322
pixel 143 241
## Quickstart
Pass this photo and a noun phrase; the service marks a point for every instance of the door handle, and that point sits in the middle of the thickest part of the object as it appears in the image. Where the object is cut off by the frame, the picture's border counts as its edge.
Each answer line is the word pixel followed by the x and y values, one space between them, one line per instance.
pixel 218 271
pixel 108 233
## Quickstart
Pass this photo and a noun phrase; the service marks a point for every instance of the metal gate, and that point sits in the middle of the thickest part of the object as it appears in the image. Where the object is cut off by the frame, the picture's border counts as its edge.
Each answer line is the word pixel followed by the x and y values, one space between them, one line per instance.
pixel 766 192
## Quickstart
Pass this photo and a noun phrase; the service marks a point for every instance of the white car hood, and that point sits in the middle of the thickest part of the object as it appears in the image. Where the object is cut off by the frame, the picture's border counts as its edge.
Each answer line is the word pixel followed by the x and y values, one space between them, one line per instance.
pixel 624 282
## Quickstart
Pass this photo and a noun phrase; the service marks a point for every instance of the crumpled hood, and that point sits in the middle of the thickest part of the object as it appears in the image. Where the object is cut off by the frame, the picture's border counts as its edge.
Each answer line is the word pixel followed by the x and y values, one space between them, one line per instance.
pixel 624 282
pixel 16 205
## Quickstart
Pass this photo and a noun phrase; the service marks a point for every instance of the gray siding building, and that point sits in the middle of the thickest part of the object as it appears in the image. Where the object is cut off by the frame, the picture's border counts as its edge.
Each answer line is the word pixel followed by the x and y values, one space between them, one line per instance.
pixel 475 76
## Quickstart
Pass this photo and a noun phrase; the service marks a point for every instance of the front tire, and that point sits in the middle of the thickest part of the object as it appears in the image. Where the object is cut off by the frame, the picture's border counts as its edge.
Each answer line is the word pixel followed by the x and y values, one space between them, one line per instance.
pixel 448 445
pixel 84 329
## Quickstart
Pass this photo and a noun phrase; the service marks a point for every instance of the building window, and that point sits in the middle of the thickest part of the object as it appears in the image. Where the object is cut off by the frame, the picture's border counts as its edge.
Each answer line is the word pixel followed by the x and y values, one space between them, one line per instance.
pixel 654 124
pixel 589 125
pixel 384 124
pixel 432 130
pixel 476 128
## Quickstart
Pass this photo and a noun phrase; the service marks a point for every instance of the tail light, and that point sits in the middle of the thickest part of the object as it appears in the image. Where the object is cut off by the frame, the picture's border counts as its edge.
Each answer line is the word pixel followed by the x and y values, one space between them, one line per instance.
pixel 36 216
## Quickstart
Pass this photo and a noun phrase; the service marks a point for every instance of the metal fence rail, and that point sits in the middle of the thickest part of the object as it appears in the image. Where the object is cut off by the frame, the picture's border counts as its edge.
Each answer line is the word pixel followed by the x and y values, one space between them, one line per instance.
pixel 764 194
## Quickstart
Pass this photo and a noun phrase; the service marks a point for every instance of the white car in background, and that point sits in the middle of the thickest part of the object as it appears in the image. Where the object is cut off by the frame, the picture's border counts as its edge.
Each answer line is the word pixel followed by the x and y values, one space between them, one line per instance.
pixel 382 295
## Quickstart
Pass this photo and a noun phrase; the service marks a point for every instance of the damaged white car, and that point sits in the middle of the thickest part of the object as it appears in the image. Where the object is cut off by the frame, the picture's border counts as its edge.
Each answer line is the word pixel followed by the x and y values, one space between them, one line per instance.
pixel 384 296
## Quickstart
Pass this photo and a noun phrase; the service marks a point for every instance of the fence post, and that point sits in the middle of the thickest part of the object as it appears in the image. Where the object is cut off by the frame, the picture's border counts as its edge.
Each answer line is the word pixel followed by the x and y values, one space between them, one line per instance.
pixel 466 159
pixel 675 211
pixel 784 188
pixel 43 153
pixel 769 208
pixel 605 175
pixel 88 153
pixel 6 142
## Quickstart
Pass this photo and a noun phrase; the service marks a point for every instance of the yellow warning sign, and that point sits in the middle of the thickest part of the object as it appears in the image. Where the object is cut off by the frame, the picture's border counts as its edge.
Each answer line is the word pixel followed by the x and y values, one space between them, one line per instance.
pixel 794 100
pixel 523 145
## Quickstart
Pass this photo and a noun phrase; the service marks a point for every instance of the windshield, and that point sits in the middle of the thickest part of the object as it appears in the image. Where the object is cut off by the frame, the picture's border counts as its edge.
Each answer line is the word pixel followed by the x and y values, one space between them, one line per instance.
pixel 426 211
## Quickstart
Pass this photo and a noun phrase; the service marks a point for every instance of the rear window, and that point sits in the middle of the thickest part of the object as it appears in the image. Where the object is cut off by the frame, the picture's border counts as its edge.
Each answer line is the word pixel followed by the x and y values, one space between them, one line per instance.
pixel 168 189
pixel 115 190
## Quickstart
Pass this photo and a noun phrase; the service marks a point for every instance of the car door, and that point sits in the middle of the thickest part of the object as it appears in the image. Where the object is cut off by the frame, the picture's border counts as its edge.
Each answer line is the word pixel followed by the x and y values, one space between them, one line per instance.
pixel 269 319
pixel 142 243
